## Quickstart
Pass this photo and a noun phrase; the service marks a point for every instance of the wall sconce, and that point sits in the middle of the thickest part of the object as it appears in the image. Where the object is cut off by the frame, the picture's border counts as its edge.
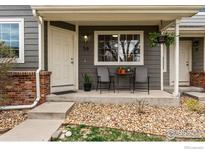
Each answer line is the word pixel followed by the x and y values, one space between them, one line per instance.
pixel 85 42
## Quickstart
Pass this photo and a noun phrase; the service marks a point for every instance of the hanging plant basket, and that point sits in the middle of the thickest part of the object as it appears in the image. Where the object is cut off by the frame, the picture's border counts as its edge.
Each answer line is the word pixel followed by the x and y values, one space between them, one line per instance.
pixel 156 38
pixel 161 39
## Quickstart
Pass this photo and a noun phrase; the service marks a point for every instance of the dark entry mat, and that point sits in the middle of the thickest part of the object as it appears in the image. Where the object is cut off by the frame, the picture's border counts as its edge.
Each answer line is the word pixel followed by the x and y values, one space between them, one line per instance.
pixel 64 92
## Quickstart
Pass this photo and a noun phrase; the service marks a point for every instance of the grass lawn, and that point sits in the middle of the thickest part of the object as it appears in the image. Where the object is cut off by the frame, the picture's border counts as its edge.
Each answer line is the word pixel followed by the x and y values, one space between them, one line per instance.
pixel 88 133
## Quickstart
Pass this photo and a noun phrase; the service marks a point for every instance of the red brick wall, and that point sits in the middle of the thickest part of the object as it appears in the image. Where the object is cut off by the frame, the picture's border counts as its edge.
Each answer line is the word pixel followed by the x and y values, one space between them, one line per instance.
pixel 22 89
pixel 197 79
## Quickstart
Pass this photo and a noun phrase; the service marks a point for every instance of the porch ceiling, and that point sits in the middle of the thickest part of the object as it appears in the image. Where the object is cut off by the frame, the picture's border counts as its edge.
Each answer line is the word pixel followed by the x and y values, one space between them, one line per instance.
pixel 147 15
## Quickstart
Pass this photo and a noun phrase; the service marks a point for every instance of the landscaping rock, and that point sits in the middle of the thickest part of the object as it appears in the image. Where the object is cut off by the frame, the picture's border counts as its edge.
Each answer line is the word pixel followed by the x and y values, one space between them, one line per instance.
pixel 154 120
pixel 11 118
pixel 68 133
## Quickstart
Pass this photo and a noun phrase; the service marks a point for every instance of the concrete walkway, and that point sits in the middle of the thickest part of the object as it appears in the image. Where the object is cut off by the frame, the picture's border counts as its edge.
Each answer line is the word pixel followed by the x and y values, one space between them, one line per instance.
pixel 42 122
pixel 51 110
pixel 198 95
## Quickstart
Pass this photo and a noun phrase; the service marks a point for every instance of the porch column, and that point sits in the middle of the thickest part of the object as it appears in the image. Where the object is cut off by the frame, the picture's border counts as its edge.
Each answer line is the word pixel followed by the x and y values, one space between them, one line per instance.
pixel 176 81
pixel 161 66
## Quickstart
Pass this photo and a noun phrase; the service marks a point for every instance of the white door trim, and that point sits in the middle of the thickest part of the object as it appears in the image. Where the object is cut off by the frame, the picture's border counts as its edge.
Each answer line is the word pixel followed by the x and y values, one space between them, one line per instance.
pixel 172 66
pixel 76 56
pixel 75 46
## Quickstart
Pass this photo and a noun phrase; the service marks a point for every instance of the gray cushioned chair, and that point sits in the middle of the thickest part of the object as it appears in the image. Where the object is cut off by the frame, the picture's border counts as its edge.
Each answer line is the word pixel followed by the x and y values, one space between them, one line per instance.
pixel 104 77
pixel 141 77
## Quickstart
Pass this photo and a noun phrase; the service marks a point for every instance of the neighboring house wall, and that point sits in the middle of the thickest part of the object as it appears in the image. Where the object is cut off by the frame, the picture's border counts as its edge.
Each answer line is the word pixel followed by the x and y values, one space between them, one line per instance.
pixel 86 58
pixel 22 88
pixel 30 33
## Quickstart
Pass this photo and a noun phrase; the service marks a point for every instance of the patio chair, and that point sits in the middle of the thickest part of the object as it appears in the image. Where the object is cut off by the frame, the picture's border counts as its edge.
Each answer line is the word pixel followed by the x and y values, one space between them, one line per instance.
pixel 104 77
pixel 141 77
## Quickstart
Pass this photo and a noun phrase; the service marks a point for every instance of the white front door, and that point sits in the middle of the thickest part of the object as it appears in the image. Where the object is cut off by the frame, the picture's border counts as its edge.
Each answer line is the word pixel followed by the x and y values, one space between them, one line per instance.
pixel 61 59
pixel 185 49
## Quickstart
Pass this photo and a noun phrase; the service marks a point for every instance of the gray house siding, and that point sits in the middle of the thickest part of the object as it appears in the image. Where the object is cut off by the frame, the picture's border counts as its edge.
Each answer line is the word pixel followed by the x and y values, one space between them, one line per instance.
pixel 86 58
pixel 198 55
pixel 30 34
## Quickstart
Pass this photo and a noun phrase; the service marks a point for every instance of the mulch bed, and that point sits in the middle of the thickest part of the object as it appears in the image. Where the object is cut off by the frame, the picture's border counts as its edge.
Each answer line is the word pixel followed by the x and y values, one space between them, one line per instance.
pixel 11 118
pixel 154 120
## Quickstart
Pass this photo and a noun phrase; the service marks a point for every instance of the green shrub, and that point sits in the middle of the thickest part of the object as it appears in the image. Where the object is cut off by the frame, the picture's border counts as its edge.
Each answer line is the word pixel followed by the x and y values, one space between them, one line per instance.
pixel 194 105
pixel 7 57
pixel 87 78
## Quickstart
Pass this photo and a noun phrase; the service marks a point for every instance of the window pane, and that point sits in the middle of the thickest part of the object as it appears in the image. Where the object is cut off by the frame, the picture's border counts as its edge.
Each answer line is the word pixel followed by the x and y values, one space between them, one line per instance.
pixel 15 48
pixel 5 36
pixel 16 52
pixel 14 32
pixel 9 34
pixel 0 31
pixel 108 47
pixel 14 44
pixel 7 43
pixel 5 28
pixel 14 28
pixel 129 48
pixel 15 36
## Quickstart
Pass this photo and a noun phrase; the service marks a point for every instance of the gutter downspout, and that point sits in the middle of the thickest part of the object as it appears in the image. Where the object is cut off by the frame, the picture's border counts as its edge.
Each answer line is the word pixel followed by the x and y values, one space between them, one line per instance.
pixel 40 22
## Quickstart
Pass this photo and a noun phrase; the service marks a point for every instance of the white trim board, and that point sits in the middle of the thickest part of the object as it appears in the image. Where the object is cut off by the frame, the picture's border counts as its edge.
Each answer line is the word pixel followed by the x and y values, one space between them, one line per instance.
pixel 76 56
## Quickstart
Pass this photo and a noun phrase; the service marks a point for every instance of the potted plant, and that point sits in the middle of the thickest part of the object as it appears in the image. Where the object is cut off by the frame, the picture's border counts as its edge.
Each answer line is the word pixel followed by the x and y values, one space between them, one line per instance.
pixel 87 82
pixel 121 70
pixel 156 38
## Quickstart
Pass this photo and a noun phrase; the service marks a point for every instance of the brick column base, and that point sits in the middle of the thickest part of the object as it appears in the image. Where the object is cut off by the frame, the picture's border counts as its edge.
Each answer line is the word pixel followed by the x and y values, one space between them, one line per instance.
pixel 197 79
pixel 22 89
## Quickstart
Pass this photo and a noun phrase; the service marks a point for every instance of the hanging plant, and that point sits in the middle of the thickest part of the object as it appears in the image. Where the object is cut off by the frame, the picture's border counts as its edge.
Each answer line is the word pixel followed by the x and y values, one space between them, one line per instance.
pixel 156 38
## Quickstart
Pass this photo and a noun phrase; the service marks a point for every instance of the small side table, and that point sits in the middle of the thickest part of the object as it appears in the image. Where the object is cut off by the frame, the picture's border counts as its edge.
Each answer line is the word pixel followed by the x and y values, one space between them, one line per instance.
pixel 129 75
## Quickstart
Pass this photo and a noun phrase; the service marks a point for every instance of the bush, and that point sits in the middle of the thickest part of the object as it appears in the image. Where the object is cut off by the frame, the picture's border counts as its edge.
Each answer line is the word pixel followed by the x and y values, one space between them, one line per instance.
pixel 194 105
pixel 6 59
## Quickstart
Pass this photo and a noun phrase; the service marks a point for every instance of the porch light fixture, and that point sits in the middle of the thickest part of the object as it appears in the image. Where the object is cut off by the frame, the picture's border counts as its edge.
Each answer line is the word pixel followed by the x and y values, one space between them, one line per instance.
pixel 115 35
pixel 85 37
pixel 85 41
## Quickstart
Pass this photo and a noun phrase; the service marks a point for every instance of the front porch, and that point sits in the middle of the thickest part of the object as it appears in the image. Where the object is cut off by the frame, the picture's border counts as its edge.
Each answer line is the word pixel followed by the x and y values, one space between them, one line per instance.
pixel 96 39
pixel 156 97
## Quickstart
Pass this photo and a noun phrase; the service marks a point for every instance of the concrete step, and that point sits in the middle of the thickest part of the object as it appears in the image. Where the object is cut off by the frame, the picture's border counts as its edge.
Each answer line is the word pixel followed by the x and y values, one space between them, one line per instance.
pixel 170 89
pixel 198 95
pixel 32 130
pixel 51 110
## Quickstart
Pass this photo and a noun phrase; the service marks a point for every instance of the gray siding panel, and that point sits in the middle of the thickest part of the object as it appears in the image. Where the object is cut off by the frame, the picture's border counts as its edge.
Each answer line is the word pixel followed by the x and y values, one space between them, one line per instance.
pixel 151 55
pixel 30 33
pixel 198 55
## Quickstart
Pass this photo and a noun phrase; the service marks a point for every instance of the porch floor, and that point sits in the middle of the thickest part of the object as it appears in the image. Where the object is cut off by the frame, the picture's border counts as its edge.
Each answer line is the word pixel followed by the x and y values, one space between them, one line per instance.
pixel 156 97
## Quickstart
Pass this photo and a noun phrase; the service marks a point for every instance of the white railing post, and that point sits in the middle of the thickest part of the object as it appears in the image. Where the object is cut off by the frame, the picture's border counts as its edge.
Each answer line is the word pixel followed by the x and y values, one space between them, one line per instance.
pixel 176 81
